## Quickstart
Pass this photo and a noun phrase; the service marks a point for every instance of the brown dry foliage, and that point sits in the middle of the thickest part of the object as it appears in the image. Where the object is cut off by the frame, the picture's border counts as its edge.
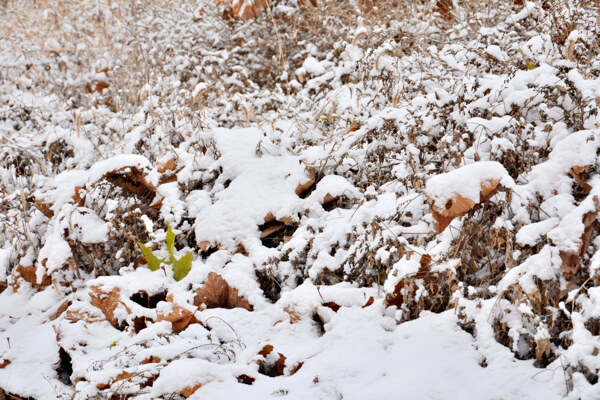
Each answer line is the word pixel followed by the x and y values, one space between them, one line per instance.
pixel 216 293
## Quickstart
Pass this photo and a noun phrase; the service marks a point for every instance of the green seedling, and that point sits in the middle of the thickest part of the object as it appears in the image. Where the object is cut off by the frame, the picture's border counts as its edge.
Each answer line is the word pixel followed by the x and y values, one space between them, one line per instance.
pixel 181 267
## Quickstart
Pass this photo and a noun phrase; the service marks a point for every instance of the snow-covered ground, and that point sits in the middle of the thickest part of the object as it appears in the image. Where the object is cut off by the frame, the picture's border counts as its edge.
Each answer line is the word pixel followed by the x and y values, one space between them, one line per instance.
pixel 380 200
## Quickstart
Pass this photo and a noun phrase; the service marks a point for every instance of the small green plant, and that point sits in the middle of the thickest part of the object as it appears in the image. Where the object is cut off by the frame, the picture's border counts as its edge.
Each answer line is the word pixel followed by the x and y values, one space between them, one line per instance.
pixel 181 266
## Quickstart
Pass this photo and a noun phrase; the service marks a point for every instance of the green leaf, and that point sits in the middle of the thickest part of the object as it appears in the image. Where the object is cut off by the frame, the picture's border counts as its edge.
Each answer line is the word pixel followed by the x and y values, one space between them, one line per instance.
pixel 171 243
pixel 530 65
pixel 153 261
pixel 182 266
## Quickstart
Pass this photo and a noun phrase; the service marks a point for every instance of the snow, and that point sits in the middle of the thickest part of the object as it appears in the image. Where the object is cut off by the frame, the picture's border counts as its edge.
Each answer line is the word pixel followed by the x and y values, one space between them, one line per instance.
pixel 304 156
pixel 467 181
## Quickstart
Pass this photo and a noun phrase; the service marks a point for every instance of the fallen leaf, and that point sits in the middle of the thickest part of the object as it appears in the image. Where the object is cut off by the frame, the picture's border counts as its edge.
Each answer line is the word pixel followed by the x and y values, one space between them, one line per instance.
pixel 294 316
pixel 216 293
pixel 170 165
pixel 29 275
pixel 107 302
pixel 188 391
pixel 151 360
pixel 179 317
pixel 333 305
pixel 245 379
pixel 369 302
pixel 63 307
pixel 4 363
pixel 395 298
pixel 271 369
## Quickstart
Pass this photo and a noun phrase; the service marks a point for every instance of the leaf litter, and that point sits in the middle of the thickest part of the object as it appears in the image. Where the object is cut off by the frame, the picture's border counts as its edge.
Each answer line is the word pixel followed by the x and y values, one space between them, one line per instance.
pixel 371 198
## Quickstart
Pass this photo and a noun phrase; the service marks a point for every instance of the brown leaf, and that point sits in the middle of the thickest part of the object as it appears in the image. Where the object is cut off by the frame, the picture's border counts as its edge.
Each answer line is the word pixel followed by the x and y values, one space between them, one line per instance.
pixel 369 302
pixel 107 302
pixel 303 189
pixel 179 317
pixel 542 348
pixel 424 268
pixel 333 305
pixel 247 10
pixel 269 368
pixel 445 8
pixel 396 298
pixel 63 307
pixel 132 181
pixel 329 198
pixel 44 208
pixel 245 379
pixel 170 165
pixel 29 275
pixel 460 205
pixel 266 350
pixel 151 360
pixel 571 261
pixel 167 179
pixel 188 391
pixel 295 368
pixel 216 293
pixel 4 363
pixel 294 316
pixel 122 376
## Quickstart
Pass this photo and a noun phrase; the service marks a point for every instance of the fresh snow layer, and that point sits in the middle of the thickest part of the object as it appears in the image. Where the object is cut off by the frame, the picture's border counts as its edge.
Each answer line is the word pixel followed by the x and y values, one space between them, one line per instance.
pixel 363 354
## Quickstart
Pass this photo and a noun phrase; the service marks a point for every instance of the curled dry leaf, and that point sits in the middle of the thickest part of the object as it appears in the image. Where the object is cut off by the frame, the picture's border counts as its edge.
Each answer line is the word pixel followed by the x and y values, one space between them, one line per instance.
pixel 571 261
pixel 395 298
pixel 107 302
pixel 4 363
pixel 543 347
pixel 216 293
pixel 303 189
pixel 132 181
pixel 246 379
pixel 333 305
pixel 271 368
pixel 179 317
pixel 460 205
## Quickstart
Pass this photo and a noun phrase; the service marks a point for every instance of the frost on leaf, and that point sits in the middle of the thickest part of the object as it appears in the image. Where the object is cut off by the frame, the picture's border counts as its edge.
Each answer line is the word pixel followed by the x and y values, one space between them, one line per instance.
pixel 216 293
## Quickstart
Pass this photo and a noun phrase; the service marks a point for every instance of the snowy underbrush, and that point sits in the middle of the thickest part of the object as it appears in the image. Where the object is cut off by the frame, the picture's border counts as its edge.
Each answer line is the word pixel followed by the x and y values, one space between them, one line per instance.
pixel 380 199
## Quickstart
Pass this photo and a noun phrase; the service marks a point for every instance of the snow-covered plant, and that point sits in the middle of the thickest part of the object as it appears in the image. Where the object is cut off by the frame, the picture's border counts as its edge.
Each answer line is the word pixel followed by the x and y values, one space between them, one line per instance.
pixel 181 266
